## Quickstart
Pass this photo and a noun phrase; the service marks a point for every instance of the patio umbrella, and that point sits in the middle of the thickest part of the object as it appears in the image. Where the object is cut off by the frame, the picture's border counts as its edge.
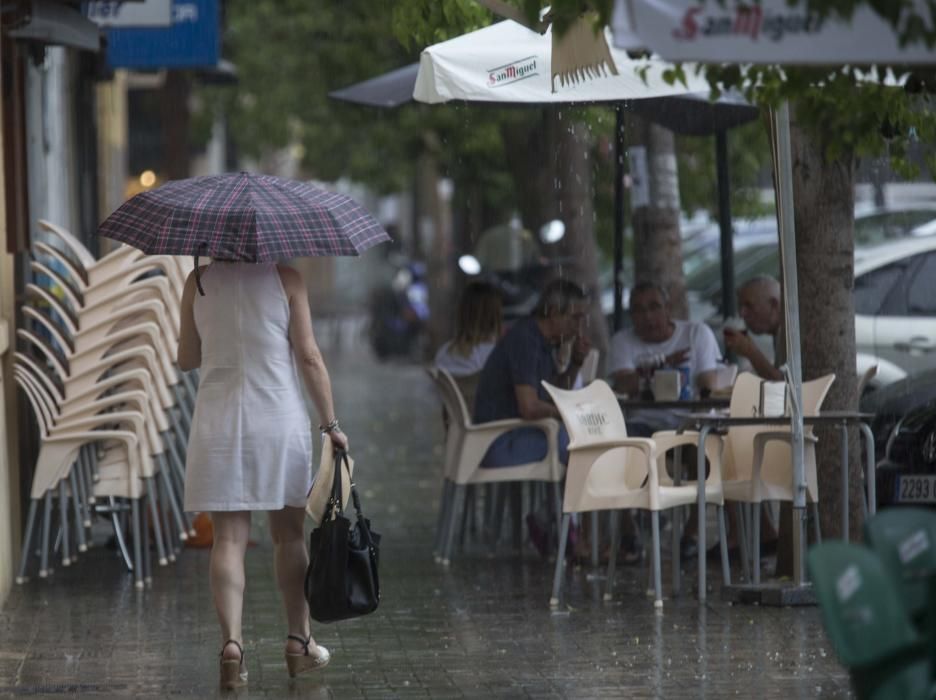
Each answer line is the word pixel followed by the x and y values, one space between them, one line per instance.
pixel 507 63
pixel 243 217
pixel 388 90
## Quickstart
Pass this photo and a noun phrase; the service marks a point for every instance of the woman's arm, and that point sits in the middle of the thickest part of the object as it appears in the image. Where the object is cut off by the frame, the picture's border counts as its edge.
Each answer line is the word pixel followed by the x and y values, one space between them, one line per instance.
pixel 189 351
pixel 308 356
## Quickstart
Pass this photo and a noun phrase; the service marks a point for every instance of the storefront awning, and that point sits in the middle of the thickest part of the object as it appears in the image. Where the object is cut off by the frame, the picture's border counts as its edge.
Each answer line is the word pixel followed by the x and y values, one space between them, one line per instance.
pixel 56 23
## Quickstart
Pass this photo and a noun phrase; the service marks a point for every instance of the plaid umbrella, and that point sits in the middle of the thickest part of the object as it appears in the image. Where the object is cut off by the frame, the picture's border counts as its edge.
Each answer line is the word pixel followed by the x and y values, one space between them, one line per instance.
pixel 244 217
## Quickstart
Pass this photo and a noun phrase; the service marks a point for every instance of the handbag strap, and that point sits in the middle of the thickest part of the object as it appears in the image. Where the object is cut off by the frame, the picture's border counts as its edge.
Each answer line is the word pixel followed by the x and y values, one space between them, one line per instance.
pixel 341 459
pixel 335 504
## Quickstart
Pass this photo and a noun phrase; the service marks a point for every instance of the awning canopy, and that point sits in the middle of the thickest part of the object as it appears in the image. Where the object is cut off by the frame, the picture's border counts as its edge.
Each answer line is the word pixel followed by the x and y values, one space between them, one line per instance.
pixel 58 24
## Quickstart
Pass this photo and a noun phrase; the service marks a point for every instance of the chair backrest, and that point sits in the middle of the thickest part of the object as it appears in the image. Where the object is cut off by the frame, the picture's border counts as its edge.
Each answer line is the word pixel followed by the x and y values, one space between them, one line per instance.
pixel 593 419
pixel 452 398
pixel 76 247
pixel 44 296
pixel 745 401
pixel 861 610
pixel 815 392
pixel 592 415
pixel 739 443
pixel 905 541
pixel 40 409
pixel 78 276
pixel 69 291
pixel 589 368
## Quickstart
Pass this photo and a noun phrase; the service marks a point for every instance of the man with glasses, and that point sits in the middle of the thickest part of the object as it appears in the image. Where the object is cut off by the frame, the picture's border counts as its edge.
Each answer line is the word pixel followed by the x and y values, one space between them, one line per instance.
pixel 510 382
pixel 685 345
pixel 674 344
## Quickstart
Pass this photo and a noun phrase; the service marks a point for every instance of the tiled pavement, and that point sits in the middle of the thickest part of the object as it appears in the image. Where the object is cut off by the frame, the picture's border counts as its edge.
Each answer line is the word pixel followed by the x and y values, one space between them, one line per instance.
pixel 480 629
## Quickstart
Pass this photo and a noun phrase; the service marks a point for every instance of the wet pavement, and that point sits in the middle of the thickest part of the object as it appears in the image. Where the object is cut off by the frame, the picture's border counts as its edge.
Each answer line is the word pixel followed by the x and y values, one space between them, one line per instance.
pixel 480 628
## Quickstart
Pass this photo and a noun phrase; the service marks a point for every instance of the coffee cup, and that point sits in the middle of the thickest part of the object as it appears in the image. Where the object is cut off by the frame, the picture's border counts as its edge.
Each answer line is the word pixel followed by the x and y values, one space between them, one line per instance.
pixel 667 384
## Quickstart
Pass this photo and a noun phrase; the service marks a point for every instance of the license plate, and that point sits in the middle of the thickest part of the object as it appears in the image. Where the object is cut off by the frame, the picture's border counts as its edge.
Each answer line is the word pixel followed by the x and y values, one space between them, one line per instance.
pixel 917 489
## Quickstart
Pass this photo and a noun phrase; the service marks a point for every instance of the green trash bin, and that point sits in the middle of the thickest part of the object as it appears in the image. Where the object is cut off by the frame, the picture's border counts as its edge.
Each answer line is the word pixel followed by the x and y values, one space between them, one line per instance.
pixel 868 624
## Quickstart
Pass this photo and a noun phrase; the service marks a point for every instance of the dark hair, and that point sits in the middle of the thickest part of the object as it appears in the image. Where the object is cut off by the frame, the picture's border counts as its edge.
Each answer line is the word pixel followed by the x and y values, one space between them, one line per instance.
pixel 557 297
pixel 642 287
pixel 478 317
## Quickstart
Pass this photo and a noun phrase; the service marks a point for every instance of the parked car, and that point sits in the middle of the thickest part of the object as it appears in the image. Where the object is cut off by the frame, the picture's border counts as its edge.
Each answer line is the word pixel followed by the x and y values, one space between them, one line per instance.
pixel 895 301
pixel 904 427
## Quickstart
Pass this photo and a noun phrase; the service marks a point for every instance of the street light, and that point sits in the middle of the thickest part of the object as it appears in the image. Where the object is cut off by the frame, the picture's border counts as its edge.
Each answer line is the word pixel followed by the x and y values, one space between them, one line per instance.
pixel 552 231
pixel 469 264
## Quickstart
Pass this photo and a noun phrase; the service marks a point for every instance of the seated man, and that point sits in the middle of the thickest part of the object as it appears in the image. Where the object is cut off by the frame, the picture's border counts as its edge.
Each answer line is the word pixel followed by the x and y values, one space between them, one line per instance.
pixel 681 343
pixel 759 306
pixel 509 385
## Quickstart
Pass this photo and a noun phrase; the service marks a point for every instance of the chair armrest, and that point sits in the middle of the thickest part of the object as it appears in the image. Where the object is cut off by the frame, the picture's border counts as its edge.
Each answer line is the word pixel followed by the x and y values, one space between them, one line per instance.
pixel 550 425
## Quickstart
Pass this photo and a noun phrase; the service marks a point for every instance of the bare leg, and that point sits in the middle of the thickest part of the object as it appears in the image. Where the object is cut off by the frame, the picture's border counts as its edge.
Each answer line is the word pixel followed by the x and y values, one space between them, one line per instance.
pixel 226 573
pixel 291 560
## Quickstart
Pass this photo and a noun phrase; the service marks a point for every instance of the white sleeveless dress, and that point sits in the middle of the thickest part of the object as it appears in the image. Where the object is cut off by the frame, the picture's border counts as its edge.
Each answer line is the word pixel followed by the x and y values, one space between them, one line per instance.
pixel 250 447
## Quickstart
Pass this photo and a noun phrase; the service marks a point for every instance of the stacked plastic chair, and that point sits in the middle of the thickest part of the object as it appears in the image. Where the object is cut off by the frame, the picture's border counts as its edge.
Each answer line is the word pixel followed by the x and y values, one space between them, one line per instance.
pixel 98 367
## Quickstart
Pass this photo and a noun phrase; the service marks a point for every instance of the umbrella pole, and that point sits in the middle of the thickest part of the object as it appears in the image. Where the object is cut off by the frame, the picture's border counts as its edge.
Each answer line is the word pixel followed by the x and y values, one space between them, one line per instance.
pixel 793 370
pixel 619 154
pixel 724 224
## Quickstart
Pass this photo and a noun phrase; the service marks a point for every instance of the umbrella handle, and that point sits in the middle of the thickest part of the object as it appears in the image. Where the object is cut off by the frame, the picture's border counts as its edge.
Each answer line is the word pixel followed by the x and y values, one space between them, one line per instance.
pixel 201 246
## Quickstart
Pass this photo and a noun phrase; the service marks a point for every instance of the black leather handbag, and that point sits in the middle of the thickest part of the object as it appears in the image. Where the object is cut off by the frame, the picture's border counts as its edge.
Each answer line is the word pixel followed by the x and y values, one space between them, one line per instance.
pixel 342 581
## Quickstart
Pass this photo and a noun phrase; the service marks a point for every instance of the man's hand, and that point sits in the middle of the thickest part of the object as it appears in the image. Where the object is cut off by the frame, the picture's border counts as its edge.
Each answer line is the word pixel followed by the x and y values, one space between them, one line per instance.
pixel 677 358
pixel 739 343
pixel 580 348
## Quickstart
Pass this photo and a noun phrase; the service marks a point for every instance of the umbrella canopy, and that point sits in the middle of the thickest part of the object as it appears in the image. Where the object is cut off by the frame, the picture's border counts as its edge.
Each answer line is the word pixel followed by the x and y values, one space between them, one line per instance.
pixel 388 90
pixel 244 217
pixel 508 63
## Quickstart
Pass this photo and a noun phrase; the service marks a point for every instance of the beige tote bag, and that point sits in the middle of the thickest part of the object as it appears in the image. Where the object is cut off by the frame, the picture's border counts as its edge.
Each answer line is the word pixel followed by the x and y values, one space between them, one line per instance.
pixel 322 483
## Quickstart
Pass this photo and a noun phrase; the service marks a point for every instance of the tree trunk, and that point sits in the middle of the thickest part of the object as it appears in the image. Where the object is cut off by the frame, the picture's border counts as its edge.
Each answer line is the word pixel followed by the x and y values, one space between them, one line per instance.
pixel 553 175
pixel 435 231
pixel 823 192
pixel 655 205
pixel 823 195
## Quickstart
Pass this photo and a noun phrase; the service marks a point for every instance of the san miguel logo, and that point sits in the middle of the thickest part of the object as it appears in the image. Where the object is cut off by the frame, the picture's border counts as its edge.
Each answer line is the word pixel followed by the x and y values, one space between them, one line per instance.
pixel 746 21
pixel 512 72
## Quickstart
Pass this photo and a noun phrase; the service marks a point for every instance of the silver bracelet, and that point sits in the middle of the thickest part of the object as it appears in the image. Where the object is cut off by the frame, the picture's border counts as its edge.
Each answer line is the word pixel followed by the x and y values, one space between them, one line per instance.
pixel 331 427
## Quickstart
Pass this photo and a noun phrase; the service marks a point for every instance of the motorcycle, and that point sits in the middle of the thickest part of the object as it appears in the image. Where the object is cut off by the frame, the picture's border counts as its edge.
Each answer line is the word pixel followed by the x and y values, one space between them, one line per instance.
pixel 399 313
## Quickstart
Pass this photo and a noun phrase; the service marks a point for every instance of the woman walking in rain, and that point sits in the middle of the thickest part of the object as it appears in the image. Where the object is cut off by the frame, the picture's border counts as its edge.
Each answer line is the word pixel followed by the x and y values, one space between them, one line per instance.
pixel 250 332
pixel 250 446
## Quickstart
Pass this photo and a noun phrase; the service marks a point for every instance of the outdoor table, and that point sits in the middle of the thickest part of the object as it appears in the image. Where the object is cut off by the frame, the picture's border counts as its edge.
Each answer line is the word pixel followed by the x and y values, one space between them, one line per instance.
pixel 690 406
pixel 707 423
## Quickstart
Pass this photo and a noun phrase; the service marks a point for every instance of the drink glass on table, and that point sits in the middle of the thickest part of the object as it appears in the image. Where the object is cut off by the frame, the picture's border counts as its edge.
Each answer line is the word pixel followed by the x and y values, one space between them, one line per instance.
pixel 646 365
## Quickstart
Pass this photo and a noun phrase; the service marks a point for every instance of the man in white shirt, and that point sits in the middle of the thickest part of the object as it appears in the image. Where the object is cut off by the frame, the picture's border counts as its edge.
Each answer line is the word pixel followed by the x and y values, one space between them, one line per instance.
pixel 681 344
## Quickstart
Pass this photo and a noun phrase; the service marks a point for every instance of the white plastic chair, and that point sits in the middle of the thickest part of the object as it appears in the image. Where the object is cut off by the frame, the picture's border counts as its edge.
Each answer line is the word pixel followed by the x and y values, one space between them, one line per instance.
pixel 770 476
pixel 610 471
pixel 467 445
pixel 589 369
